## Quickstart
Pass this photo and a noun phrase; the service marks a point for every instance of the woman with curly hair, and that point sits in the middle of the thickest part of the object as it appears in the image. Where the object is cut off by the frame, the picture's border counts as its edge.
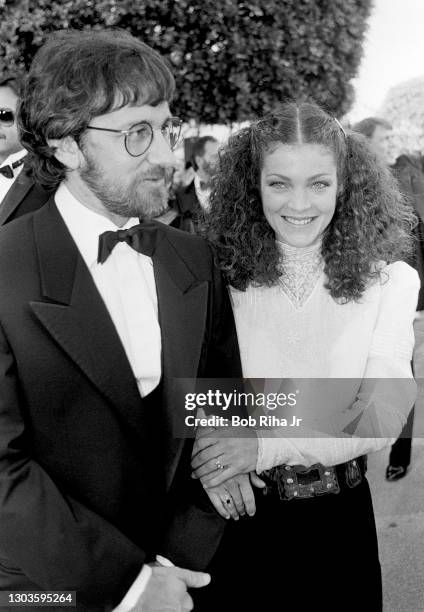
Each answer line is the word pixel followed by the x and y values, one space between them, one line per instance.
pixel 310 230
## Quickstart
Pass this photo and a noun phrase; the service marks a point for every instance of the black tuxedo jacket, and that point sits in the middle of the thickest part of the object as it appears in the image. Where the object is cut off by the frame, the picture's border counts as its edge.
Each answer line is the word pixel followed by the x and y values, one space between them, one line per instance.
pixel 23 197
pixel 75 435
pixel 188 207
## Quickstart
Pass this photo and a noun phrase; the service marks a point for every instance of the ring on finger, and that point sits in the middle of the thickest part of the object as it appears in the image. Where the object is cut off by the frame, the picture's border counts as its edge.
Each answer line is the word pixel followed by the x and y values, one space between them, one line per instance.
pixel 219 465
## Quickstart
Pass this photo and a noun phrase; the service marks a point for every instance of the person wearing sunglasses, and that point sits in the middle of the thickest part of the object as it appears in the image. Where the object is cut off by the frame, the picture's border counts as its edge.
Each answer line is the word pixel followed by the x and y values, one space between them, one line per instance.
pixel 18 192
pixel 102 309
pixel 11 150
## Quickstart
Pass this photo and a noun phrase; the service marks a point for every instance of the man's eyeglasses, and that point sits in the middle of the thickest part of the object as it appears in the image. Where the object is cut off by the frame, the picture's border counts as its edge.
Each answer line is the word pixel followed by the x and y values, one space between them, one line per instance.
pixel 7 117
pixel 139 137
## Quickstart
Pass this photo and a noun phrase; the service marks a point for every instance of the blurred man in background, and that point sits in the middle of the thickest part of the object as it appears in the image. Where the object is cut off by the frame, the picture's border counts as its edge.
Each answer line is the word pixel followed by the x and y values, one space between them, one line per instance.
pixel 192 200
pixel 377 131
pixel 407 170
pixel 411 181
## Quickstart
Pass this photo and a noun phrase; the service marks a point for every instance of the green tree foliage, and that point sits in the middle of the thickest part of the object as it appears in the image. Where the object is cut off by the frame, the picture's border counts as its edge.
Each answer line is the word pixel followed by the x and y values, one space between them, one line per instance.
pixel 232 60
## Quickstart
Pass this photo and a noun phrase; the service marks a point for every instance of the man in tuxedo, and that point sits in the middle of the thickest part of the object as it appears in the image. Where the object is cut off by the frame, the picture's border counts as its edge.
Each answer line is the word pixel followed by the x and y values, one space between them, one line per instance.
pixel 192 200
pixel 11 150
pixel 99 315
pixel 18 192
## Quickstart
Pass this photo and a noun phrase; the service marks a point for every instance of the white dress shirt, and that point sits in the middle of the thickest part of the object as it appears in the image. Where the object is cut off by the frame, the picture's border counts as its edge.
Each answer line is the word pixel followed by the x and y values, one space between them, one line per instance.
pixel 6 183
pixel 127 285
pixel 203 195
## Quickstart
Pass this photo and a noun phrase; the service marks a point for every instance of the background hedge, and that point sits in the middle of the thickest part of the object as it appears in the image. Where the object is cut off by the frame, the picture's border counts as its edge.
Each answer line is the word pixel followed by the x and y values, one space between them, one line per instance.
pixel 232 60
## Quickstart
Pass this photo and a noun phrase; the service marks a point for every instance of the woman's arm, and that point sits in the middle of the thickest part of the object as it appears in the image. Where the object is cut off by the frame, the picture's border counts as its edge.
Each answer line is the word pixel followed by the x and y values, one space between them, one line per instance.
pixel 386 395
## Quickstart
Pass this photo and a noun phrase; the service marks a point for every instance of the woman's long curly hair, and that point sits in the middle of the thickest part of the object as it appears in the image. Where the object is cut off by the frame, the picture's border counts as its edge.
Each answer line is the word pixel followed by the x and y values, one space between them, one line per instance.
pixel 372 221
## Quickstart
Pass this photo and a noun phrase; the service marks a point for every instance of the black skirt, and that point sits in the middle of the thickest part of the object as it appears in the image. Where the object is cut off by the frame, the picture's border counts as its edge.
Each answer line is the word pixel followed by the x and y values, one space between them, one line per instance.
pixel 298 555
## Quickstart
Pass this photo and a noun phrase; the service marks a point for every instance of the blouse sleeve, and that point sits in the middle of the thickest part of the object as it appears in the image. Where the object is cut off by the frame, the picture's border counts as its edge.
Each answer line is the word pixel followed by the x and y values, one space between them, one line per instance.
pixel 386 395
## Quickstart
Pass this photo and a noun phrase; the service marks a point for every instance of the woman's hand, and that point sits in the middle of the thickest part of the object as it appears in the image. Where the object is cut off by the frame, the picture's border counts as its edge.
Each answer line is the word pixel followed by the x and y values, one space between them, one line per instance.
pixel 234 498
pixel 217 456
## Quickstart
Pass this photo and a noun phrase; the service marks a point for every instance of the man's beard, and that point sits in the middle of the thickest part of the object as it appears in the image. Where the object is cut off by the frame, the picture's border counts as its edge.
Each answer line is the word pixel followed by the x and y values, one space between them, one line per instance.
pixel 140 198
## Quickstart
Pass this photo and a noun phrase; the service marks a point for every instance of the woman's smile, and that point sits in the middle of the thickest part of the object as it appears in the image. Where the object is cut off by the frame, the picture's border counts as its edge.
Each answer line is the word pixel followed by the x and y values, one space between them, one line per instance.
pixel 298 192
pixel 298 220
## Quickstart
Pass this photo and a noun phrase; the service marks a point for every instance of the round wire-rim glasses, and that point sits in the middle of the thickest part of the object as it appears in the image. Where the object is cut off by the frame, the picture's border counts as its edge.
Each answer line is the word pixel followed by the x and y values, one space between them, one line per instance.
pixel 140 136
pixel 7 117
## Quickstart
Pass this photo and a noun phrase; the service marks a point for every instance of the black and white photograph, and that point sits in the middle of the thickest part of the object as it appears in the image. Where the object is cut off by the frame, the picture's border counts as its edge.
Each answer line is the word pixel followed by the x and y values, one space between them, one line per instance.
pixel 212 305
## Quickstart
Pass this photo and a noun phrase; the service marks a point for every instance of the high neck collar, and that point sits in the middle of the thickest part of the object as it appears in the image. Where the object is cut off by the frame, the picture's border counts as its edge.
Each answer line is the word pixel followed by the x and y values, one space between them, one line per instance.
pixel 301 268
pixel 290 252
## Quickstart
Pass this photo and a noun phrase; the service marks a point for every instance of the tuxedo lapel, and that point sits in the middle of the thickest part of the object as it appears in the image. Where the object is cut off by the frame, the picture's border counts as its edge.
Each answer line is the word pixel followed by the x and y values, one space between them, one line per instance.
pixel 182 303
pixel 14 196
pixel 75 315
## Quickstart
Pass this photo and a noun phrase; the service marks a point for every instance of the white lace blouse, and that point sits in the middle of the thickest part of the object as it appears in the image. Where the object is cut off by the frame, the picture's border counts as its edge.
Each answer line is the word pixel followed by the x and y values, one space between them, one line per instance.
pixel 297 330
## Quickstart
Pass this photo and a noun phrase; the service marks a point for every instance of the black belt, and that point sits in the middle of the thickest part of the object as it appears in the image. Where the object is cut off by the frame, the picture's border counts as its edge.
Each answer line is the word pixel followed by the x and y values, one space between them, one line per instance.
pixel 297 482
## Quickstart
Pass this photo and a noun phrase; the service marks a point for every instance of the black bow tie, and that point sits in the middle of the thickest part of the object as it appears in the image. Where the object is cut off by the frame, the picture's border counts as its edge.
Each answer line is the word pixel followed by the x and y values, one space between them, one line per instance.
pixel 7 171
pixel 142 238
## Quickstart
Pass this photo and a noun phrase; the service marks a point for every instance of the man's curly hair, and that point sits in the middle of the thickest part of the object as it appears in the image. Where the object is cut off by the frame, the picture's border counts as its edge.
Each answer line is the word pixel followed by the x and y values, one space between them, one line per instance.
pixel 77 75
pixel 372 221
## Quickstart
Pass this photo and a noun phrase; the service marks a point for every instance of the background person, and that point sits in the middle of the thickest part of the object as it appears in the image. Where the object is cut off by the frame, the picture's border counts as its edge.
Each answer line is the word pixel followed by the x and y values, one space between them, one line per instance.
pixel 18 192
pixel 408 172
pixel 192 200
pixel 11 150
pixel 377 130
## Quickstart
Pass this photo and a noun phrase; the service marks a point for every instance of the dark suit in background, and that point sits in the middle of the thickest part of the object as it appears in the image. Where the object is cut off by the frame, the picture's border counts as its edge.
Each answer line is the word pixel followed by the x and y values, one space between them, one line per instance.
pixel 408 172
pixel 188 207
pixel 24 196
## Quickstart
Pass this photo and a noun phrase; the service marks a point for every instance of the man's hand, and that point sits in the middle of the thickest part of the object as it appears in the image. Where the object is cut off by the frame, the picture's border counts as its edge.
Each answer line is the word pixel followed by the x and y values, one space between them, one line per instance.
pixel 166 590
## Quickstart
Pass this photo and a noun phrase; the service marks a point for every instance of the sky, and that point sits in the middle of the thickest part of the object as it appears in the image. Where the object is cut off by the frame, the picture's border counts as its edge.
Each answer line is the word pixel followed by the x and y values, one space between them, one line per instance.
pixel 393 53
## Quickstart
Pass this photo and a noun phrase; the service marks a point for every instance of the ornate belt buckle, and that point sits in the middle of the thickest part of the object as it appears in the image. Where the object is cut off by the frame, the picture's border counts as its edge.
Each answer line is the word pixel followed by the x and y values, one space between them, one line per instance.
pixel 353 473
pixel 298 482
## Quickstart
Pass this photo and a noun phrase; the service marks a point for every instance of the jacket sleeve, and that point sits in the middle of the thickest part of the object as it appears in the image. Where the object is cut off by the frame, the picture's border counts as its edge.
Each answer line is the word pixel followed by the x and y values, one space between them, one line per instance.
pixel 386 395
pixel 195 528
pixel 222 359
pixel 45 534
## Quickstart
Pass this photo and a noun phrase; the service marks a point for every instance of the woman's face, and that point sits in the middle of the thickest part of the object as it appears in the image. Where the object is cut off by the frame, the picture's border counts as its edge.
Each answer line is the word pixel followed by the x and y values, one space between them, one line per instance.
pixel 298 191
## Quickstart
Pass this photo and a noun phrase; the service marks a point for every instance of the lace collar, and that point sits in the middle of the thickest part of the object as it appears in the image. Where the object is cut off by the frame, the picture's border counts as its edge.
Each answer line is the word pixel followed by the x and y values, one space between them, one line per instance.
pixel 301 268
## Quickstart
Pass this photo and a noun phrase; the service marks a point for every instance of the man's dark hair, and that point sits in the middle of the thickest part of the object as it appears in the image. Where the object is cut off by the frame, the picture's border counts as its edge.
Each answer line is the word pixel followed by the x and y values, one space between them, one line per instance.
pixel 367 126
pixel 76 76
pixel 13 81
pixel 198 149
